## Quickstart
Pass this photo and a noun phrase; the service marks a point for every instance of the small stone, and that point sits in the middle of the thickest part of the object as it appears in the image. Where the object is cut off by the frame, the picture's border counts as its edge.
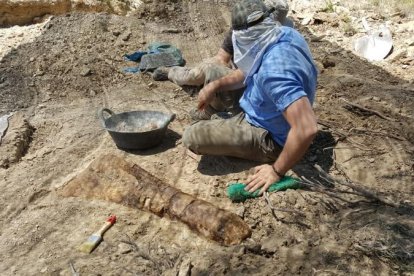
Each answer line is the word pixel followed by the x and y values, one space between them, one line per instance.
pixel 46 98
pixel 92 93
pixel 307 20
pixel 377 99
pixel 86 72
pixel 319 65
pixel 240 211
pixel 185 268
pixel 270 245
pixel 39 73
pixel 239 250
pixel 253 246
pixel 281 215
pixel 335 24
pixel 124 248
pixel 171 31
pixel 316 38
pixel 214 183
pixel 125 36
pixel 31 59
pixel 116 33
pixel 371 160
pixel 328 62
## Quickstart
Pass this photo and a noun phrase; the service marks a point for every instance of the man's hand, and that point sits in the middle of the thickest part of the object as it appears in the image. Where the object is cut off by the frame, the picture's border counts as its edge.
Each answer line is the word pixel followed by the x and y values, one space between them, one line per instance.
pixel 263 176
pixel 230 82
pixel 206 95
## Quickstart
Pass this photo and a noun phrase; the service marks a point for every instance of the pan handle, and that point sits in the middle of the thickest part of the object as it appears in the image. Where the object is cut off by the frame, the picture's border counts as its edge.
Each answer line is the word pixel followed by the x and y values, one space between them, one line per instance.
pixel 102 116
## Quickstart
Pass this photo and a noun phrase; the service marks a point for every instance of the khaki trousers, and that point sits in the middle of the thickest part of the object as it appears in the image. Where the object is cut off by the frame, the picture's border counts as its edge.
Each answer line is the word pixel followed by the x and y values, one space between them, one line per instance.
pixel 231 137
pixel 204 73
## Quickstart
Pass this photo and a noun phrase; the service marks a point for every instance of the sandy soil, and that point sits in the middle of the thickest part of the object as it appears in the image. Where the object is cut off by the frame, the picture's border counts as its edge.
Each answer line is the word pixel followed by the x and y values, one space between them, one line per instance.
pixel 59 80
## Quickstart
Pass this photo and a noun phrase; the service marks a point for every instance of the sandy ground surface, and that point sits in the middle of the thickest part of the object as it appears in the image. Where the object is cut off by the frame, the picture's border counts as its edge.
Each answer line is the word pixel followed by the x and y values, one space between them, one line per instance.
pixel 72 67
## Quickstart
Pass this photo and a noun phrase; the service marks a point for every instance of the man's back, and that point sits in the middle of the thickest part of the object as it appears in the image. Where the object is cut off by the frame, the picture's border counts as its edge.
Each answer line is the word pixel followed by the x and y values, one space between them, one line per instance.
pixel 287 73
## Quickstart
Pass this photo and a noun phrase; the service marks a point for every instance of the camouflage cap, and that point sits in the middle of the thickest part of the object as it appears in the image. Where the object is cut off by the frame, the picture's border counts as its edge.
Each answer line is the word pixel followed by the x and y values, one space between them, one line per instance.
pixel 243 9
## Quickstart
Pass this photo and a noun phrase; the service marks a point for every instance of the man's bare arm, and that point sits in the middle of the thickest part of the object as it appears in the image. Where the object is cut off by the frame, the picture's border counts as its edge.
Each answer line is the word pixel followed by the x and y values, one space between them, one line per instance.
pixel 232 81
pixel 303 128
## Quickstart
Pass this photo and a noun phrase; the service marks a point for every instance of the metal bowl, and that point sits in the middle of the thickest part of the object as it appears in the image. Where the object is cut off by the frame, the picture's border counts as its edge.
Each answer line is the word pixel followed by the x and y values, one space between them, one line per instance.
pixel 136 129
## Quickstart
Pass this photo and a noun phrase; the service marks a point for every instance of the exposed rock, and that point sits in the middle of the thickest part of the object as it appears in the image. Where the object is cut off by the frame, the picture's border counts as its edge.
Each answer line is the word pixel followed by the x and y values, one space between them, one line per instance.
pixel 125 36
pixel 171 31
pixel 185 268
pixel 23 12
pixel 85 72
pixel 124 248
pixel 15 143
pixel 240 211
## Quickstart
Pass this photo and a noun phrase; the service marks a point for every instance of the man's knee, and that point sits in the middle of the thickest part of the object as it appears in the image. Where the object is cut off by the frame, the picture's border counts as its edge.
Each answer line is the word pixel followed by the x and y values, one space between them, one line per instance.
pixel 189 140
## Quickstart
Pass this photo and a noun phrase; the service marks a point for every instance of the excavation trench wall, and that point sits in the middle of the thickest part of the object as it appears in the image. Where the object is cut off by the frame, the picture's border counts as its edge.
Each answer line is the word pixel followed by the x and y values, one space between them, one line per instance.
pixel 27 12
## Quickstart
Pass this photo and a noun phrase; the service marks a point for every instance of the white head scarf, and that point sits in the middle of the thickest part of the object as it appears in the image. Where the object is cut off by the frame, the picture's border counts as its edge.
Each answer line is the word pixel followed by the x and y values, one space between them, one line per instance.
pixel 251 44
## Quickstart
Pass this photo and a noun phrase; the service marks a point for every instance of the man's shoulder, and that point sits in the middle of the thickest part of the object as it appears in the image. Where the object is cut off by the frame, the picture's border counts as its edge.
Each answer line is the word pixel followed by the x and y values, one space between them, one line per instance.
pixel 280 49
pixel 289 41
pixel 289 35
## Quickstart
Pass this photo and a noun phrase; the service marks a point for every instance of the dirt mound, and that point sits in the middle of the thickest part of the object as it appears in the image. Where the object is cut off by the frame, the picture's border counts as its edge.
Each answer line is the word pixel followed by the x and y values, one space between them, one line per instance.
pixel 17 12
pixel 77 62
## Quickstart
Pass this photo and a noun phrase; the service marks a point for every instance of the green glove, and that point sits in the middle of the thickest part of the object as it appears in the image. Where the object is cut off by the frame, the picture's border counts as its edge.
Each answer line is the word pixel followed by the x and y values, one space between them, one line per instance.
pixel 237 193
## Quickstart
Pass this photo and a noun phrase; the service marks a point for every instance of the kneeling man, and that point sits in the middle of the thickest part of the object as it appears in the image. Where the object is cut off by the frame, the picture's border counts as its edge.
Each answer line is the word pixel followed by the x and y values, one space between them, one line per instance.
pixel 277 123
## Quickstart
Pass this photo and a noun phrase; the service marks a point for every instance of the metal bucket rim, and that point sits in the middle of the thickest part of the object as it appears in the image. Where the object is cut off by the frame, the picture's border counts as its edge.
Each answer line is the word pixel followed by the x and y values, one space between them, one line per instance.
pixel 169 118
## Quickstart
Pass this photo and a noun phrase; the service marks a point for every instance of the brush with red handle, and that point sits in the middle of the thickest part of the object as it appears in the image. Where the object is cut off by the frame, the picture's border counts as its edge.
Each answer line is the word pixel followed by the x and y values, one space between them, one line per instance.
pixel 94 240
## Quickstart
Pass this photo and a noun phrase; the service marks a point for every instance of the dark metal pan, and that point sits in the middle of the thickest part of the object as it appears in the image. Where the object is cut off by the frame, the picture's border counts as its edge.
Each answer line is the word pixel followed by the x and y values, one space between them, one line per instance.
pixel 136 129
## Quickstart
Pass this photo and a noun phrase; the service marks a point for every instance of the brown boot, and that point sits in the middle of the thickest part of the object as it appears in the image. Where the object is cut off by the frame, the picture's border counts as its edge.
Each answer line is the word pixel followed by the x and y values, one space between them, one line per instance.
pixel 160 74
pixel 205 114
